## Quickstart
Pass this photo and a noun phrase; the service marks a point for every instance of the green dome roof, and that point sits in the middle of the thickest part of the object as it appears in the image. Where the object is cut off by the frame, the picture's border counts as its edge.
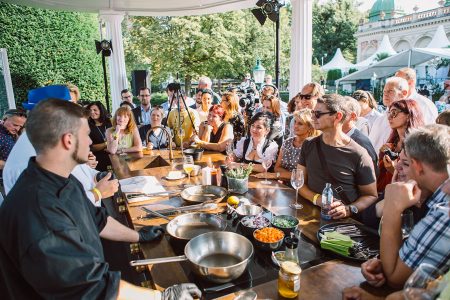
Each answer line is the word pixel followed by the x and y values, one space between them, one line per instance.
pixel 447 3
pixel 386 6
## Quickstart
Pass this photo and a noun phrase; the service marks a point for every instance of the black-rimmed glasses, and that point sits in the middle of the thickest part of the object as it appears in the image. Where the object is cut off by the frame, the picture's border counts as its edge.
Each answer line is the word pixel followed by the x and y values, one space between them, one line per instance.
pixel 319 114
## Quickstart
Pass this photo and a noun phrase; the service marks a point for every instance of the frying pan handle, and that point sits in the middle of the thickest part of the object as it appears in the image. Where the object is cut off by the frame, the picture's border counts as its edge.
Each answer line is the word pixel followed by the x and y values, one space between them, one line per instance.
pixel 153 261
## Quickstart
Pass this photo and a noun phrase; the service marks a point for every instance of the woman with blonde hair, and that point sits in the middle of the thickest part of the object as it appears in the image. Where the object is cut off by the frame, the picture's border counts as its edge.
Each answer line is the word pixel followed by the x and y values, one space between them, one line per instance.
pixel 289 155
pixel 123 136
pixel 232 115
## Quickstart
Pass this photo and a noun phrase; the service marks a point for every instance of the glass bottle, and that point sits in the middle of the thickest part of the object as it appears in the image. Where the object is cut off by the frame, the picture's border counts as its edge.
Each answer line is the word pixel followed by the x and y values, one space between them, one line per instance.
pixel 289 279
pixel 327 199
pixel 291 253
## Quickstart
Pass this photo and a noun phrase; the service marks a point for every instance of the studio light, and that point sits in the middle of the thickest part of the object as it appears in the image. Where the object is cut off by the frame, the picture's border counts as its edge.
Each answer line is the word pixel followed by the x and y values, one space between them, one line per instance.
pixel 105 48
pixel 267 9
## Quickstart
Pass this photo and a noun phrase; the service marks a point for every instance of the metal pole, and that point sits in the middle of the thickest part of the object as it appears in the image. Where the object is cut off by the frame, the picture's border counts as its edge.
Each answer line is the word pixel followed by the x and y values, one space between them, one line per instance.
pixel 105 79
pixel 409 58
pixel 277 49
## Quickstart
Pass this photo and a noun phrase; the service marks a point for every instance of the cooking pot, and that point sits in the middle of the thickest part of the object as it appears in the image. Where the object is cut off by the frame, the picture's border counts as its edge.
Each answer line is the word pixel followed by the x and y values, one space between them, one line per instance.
pixel 215 256
pixel 188 226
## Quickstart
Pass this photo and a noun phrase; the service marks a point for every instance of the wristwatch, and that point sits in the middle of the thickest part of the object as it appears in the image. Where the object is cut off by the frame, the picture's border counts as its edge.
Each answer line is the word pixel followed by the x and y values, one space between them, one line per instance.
pixel 353 209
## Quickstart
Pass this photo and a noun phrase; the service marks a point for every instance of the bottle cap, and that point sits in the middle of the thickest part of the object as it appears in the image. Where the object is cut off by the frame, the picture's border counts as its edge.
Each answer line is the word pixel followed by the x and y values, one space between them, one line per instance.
pixel 291 267
pixel 291 242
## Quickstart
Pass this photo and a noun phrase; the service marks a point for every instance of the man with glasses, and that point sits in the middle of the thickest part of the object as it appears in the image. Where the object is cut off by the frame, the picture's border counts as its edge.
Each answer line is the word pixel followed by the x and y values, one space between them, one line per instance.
pixel 10 129
pixel 395 89
pixel 335 158
pixel 127 97
pixel 143 111
pixel 427 107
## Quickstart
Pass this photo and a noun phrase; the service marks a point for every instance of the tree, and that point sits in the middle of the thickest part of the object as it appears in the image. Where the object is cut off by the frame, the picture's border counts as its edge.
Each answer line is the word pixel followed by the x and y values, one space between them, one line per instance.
pixel 51 47
pixel 381 56
pixel 219 45
pixel 334 25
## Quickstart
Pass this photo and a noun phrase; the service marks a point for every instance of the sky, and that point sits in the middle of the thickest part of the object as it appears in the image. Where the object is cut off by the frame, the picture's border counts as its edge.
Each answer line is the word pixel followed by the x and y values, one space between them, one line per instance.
pixel 407 5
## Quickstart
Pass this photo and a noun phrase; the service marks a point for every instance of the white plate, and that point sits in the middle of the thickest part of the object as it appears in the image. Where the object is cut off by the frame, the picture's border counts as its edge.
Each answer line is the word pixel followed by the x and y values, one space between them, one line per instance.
pixel 182 175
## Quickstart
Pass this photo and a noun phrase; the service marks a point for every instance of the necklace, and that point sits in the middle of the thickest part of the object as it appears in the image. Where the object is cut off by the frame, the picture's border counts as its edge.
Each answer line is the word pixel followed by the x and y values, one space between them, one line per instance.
pixel 101 133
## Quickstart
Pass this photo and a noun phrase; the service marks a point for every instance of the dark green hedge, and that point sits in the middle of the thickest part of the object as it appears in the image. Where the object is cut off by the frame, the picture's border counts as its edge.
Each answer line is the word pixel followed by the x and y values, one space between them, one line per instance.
pixel 51 47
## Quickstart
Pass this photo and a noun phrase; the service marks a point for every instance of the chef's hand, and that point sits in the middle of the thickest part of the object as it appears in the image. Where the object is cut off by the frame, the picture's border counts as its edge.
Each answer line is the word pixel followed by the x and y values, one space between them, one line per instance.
pixel 184 291
pixel 150 233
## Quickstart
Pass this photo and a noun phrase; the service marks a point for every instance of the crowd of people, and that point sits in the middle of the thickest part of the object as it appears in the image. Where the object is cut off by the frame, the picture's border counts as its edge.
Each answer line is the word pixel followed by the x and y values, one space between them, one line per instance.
pixel 378 162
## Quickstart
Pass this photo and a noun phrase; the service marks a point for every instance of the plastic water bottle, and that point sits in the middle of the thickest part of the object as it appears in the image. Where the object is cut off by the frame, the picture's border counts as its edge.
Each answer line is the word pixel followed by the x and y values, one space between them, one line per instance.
pixel 327 199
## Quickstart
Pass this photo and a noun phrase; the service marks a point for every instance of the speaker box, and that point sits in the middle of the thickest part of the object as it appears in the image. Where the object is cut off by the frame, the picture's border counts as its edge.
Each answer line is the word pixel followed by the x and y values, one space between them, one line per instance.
pixel 139 78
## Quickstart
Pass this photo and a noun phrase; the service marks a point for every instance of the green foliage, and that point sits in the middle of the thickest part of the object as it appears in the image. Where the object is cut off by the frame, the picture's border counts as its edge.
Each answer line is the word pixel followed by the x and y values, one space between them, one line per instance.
pixel 381 56
pixel 334 25
pixel 48 47
pixel 220 46
pixel 284 96
pixel 158 98
pixel 240 172
pixel 333 75
pixel 317 73
pixel 352 70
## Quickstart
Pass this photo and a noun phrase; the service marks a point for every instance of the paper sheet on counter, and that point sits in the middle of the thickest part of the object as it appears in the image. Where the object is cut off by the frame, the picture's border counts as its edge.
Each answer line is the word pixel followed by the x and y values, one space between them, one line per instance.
pixel 141 184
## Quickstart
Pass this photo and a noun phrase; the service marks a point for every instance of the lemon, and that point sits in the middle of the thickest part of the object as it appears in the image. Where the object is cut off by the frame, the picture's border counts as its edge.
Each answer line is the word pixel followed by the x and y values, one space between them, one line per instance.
pixel 233 200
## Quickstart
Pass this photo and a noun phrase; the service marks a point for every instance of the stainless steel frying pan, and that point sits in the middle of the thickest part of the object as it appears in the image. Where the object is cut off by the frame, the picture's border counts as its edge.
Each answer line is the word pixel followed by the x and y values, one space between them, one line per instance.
pixel 188 226
pixel 215 256
pixel 202 193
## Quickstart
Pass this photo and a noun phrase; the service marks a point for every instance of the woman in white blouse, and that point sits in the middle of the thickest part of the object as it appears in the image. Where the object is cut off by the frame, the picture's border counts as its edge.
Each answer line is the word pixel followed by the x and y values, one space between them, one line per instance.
pixel 253 148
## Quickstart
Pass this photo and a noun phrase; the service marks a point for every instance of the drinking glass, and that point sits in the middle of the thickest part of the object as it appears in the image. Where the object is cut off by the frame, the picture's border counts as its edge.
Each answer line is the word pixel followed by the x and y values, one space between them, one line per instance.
pixel 423 283
pixel 188 165
pixel 407 223
pixel 297 181
pixel 266 163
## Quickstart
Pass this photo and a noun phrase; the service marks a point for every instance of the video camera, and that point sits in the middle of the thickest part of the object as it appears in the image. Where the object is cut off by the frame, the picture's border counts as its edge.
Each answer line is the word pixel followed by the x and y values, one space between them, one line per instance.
pixel 248 99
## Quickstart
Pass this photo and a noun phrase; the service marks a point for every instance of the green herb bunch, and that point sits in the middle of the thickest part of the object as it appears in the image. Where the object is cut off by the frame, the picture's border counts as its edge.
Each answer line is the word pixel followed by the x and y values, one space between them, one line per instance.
pixel 240 172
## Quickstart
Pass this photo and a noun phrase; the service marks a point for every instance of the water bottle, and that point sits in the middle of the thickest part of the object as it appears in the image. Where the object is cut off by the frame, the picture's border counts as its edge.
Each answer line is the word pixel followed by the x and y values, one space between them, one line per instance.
pixel 327 199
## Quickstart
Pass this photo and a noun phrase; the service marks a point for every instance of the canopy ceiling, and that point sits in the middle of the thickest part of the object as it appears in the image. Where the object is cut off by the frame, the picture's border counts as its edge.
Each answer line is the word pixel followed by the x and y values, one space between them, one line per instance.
pixel 388 66
pixel 143 7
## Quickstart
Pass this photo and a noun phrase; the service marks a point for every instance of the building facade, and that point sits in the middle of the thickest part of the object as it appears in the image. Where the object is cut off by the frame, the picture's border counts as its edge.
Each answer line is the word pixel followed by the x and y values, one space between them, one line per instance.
pixel 405 31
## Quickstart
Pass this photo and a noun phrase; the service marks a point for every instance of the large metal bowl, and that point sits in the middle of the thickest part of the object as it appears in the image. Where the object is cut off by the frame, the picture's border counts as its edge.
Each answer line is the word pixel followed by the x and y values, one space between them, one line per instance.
pixel 248 210
pixel 203 193
pixel 188 226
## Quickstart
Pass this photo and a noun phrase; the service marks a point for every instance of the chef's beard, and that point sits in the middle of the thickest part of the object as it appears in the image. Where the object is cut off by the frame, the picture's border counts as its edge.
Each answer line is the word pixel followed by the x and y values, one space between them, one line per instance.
pixel 75 155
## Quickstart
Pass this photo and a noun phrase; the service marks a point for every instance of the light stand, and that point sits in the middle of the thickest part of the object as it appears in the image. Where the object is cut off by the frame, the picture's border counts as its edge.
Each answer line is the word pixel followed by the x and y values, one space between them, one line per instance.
pixel 105 48
pixel 271 9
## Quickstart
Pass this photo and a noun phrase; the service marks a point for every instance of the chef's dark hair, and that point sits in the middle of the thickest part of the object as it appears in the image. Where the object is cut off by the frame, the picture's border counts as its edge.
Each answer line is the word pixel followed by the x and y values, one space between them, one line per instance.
pixel 50 120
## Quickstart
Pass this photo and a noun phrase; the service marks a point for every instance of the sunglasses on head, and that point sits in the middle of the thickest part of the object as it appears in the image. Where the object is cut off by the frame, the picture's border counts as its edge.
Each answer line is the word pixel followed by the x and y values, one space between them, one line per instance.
pixel 319 114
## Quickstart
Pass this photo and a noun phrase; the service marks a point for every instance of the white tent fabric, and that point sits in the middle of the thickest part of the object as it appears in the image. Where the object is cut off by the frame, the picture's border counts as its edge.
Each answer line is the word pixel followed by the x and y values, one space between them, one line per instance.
pixel 388 66
pixel 143 8
pixel 385 47
pixel 440 39
pixel 338 62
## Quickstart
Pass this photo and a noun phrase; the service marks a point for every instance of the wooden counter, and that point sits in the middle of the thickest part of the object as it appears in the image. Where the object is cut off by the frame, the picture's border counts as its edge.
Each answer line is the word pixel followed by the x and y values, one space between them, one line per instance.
pixel 325 281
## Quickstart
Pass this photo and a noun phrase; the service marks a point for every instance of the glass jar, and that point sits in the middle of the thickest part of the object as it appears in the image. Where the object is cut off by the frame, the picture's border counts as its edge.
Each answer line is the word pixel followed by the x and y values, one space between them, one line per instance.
pixel 289 279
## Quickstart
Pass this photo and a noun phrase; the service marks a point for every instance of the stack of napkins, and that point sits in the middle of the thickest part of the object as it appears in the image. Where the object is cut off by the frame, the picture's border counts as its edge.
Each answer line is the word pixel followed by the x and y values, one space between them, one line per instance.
pixel 336 242
pixel 140 184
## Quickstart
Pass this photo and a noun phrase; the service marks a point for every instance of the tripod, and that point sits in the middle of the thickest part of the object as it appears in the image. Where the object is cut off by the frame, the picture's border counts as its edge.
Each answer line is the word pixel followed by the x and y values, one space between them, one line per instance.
pixel 177 95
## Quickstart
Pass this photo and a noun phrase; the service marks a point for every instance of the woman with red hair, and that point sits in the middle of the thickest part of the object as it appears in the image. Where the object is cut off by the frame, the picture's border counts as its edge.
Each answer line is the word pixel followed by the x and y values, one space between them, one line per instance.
pixel 402 116
pixel 123 136
pixel 215 133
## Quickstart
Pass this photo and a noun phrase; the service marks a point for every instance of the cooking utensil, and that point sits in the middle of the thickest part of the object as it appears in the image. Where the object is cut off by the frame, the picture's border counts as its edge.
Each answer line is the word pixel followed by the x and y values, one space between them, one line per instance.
pixel 149 211
pixel 188 226
pixel 203 193
pixel 215 256
pixel 195 153
pixel 248 210
pixel 137 195
pixel 197 207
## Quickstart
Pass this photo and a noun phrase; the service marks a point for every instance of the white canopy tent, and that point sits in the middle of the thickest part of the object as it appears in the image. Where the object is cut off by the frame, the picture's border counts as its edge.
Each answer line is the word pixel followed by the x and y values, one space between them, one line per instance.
pixel 440 39
pixel 338 62
pixel 113 12
pixel 388 66
pixel 385 47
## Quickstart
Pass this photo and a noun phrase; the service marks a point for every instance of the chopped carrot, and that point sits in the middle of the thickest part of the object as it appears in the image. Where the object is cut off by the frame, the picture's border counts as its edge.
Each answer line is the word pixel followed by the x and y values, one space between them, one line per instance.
pixel 268 235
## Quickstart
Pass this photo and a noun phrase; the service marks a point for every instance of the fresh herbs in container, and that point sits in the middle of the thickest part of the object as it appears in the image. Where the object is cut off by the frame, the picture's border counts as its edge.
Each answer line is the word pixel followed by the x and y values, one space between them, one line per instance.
pixel 238 179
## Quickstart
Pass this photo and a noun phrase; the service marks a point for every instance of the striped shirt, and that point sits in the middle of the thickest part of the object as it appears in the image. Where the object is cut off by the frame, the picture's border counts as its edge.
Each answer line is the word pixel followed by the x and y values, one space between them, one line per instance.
pixel 429 241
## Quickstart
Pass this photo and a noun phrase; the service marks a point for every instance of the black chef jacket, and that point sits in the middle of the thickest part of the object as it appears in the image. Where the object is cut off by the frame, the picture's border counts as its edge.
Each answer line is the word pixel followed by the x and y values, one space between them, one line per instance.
pixel 49 240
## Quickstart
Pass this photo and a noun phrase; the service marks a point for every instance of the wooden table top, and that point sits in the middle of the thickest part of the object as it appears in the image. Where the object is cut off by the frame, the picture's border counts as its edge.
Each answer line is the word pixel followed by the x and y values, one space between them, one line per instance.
pixel 275 197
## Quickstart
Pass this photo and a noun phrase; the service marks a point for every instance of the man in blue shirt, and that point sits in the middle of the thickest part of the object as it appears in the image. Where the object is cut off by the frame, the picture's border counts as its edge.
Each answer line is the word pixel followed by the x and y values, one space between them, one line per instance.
pixel 143 111
pixel 12 125
pixel 429 240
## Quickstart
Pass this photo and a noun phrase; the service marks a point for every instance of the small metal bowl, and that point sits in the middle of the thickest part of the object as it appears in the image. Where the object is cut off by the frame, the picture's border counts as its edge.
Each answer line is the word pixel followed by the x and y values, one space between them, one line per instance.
pixel 268 246
pixel 195 153
pixel 248 230
pixel 248 210
pixel 287 230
